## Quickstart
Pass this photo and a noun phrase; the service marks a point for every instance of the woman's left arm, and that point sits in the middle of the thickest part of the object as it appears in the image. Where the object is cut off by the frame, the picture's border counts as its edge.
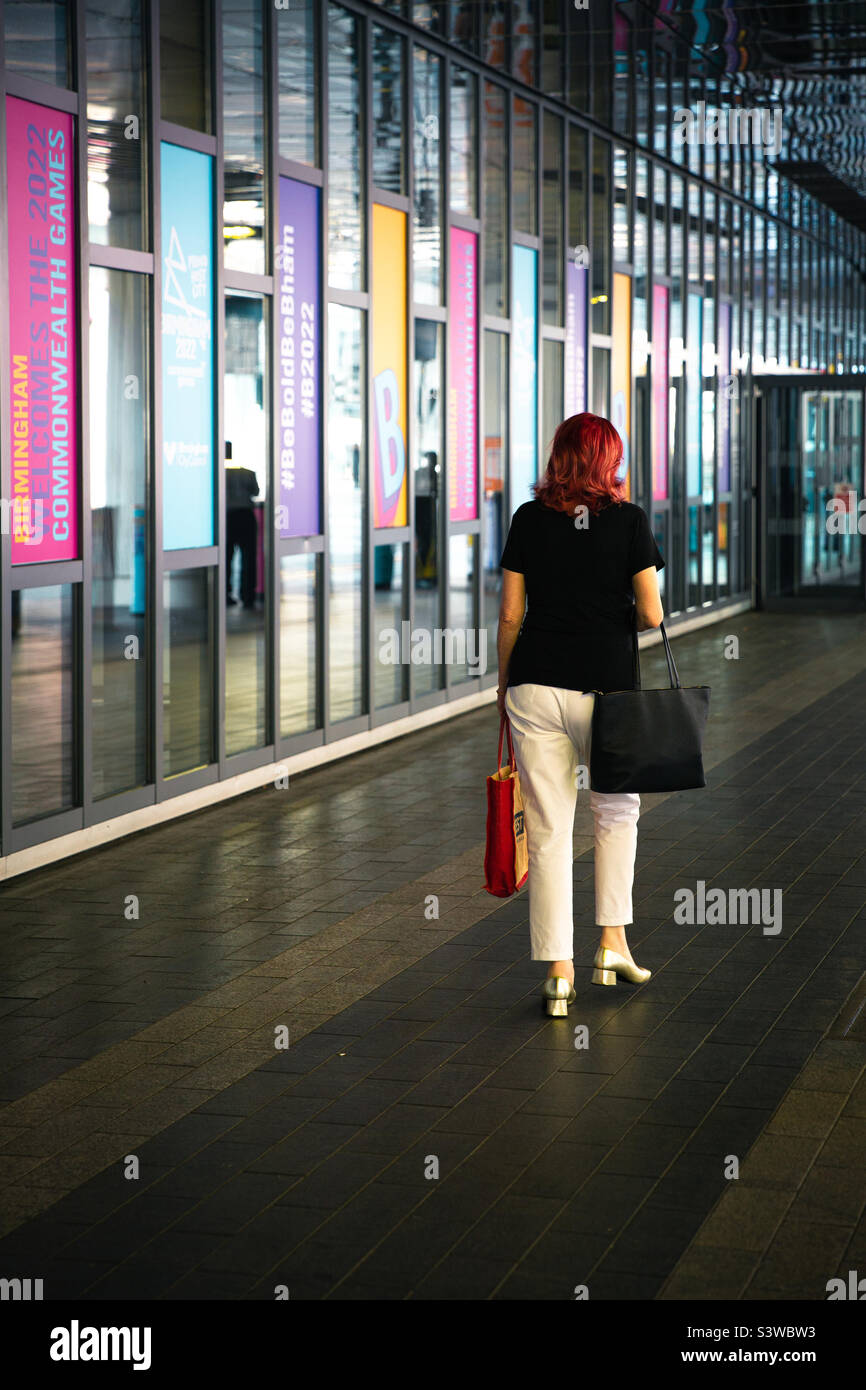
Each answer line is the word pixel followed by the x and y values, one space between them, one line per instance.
pixel 511 611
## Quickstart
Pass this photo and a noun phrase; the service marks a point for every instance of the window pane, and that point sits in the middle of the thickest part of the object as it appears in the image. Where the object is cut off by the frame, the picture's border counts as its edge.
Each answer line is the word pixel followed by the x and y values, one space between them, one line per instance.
pixel 552 209
pixel 495 180
pixel 299 589
pixel 296 40
pixel 185 63
pixel 247 533
pixel 119 500
pixel 390 671
pixel 243 106
pixel 525 167
pixel 115 174
pixel 552 397
pixel 42 702
pixel 462 611
pixel 600 237
pixel 347 481
pixel 344 152
pixel 36 39
pixel 427 463
pixel 388 119
pixel 187 697
pixel 464 141
pixel 427 203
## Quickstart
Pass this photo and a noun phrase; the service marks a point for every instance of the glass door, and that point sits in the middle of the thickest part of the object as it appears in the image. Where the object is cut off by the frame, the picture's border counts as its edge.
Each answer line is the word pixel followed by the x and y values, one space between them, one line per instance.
pixel 811 525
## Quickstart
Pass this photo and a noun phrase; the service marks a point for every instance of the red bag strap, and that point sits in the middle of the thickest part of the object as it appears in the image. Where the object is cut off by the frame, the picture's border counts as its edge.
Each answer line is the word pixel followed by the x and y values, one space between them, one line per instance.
pixel 505 727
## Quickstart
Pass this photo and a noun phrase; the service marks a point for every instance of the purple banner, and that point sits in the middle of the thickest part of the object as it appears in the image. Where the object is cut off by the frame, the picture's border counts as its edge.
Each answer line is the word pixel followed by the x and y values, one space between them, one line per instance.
pixel 300 324
pixel 575 338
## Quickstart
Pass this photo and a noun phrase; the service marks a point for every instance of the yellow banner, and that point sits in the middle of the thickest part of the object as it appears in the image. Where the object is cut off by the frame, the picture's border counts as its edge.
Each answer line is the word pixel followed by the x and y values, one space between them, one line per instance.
pixel 389 309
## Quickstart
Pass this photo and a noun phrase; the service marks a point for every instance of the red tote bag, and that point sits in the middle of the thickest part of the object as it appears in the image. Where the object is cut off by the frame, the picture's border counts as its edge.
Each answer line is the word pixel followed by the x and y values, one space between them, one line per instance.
pixel 506 859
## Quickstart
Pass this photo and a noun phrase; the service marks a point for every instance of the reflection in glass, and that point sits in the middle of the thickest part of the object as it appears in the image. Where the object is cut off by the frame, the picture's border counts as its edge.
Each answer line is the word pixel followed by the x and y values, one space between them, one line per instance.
pixel 346 484
pixel 462 610
pixel 551 205
pixel 185 63
pixel 427 466
pixel 296 58
pixel 115 172
pixel 495 457
pixel 119 513
pixel 388 154
pixel 299 588
pixel 36 39
pixel 390 672
pixel 601 382
pixel 247 533
pixel 525 167
pixel 494 31
pixel 345 260
pixel 464 141
pixel 187 696
pixel 243 134
pixel 578 187
pixel 552 394
pixel 43 759
pixel 494 176
pixel 600 236
pixel 427 200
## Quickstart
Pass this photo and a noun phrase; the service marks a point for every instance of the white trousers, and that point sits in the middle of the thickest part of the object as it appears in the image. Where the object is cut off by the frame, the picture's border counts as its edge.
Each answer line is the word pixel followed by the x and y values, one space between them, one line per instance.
pixel 551 729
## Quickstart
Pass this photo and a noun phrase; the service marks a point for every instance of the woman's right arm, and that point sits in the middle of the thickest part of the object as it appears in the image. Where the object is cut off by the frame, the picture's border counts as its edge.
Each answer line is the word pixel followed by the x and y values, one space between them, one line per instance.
pixel 648 603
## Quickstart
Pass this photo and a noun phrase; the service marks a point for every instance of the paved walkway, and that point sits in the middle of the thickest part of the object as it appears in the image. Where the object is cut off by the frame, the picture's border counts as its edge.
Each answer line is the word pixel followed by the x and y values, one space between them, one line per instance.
pixel 429 1133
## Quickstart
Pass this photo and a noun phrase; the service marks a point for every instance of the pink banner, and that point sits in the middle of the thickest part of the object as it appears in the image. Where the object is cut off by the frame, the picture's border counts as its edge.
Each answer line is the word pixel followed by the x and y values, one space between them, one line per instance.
pixel 462 395
pixel 43 332
pixel 660 330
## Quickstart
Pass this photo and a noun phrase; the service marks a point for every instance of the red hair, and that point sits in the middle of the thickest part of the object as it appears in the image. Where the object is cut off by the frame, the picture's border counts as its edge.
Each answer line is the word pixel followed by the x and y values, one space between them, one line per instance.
pixel 584 457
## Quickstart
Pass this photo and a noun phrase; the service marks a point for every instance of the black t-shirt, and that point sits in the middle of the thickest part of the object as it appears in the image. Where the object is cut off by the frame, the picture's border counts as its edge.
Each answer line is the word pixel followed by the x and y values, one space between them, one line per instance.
pixel 577 632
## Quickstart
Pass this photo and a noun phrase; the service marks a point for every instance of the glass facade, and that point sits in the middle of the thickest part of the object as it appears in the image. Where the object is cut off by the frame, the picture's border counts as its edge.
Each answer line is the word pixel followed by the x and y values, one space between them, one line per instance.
pixel 331 275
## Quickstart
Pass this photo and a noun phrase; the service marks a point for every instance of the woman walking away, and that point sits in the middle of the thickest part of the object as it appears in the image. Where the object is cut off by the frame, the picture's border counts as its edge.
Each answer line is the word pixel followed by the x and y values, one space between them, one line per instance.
pixel 587 562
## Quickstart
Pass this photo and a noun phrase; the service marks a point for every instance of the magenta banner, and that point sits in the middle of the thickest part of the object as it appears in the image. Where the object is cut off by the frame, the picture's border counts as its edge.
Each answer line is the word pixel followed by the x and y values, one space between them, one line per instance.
pixel 43 333
pixel 463 359
pixel 300 330
pixel 575 339
pixel 660 330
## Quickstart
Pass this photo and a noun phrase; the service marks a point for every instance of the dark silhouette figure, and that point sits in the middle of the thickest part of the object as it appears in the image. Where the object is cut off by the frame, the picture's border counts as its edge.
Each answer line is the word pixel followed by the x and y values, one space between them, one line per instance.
pixel 241 532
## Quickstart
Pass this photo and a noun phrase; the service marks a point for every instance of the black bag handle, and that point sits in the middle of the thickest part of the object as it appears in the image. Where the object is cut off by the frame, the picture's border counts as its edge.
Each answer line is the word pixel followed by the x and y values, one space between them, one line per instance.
pixel 676 683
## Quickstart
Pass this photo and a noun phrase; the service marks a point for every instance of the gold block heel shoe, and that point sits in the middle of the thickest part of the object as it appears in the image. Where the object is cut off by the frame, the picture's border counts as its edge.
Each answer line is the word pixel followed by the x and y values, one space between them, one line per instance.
pixel 609 964
pixel 557 995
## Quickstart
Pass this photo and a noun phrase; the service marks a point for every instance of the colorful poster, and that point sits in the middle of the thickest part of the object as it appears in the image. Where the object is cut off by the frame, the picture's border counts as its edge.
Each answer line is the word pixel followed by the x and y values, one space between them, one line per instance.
pixel 727 384
pixel 661 335
pixel 576 277
pixel 621 371
pixel 524 375
pixel 43 334
pixel 300 331
pixel 187 349
pixel 462 391
pixel 389 367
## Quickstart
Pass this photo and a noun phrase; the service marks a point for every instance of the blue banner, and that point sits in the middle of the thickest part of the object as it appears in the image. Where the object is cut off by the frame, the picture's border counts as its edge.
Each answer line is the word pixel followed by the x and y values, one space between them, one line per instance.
pixel 524 376
pixel 187 349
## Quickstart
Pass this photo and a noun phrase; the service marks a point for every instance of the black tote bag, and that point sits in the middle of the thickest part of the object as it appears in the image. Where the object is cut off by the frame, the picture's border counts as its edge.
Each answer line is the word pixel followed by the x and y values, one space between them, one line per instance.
pixel 649 740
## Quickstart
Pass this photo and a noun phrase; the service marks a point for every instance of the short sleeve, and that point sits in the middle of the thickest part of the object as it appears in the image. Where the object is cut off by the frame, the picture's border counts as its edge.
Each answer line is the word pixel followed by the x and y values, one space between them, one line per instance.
pixel 643 551
pixel 514 554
